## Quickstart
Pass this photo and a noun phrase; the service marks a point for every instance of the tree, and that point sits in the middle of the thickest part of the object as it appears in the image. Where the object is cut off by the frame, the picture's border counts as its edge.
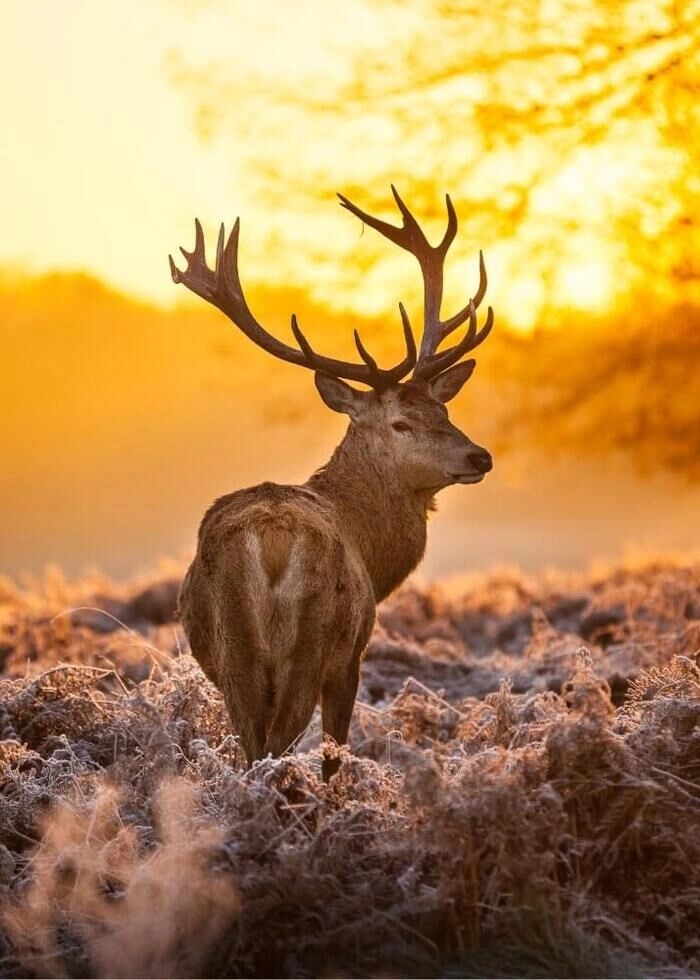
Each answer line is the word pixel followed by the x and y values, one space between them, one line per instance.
pixel 566 132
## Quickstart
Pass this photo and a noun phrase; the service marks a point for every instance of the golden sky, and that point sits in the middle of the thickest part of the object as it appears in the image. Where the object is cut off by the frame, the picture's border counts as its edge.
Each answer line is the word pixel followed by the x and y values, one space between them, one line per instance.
pixel 124 121
pixel 569 152
pixel 100 165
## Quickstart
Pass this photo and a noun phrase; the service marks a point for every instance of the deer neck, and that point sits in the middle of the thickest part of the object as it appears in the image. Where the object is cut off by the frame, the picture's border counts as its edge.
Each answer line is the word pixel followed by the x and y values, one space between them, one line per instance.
pixel 386 522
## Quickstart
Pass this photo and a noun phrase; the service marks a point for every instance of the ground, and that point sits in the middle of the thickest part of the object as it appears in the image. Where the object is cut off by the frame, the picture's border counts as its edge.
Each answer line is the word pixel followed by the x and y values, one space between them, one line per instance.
pixel 521 796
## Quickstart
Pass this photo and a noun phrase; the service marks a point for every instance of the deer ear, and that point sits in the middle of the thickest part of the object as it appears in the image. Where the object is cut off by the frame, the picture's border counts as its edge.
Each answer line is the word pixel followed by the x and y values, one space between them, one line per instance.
pixel 338 395
pixel 450 382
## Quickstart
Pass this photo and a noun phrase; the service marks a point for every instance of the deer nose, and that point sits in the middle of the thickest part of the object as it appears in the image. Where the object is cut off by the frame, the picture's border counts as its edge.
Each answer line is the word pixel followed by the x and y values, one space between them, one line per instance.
pixel 480 460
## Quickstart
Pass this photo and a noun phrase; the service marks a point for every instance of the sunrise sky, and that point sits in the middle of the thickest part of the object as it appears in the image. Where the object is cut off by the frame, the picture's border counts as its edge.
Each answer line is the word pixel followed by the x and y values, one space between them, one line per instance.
pixel 122 123
pixel 102 166
pixel 566 134
pixel 101 163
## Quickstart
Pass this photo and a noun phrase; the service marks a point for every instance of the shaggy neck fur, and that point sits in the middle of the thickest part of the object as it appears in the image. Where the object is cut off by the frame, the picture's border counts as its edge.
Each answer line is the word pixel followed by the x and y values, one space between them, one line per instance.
pixel 386 520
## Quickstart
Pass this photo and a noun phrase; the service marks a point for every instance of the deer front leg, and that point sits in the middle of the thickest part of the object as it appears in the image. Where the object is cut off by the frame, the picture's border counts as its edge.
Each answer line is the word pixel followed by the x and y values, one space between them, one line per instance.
pixel 337 701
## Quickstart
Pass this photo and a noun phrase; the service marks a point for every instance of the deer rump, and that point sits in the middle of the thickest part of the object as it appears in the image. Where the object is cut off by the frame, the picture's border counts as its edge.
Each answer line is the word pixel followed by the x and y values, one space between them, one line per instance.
pixel 272 604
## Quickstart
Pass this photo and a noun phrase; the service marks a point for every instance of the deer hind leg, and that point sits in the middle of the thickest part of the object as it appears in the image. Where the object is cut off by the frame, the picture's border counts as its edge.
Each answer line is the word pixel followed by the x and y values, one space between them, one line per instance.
pixel 340 683
pixel 241 663
pixel 296 695
pixel 206 662
pixel 248 702
pixel 337 702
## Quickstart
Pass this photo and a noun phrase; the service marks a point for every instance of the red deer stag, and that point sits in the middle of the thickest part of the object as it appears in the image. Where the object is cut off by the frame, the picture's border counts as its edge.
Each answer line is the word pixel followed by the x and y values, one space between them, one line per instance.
pixel 279 601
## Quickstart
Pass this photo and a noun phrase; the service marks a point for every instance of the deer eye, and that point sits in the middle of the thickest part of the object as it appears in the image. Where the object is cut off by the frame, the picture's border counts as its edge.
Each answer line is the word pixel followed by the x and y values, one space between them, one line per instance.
pixel 401 427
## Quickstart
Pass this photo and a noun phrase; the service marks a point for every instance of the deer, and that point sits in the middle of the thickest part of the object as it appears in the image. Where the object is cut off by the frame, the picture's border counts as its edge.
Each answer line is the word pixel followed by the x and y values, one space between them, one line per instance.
pixel 280 600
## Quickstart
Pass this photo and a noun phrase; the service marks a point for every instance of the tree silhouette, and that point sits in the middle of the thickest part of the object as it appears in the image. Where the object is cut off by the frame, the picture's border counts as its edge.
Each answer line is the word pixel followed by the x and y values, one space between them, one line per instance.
pixel 567 132
pixel 560 128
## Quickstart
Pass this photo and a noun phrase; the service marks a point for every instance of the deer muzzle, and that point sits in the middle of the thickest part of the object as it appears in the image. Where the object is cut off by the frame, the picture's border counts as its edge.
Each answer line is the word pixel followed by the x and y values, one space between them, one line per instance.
pixel 477 463
pixel 480 459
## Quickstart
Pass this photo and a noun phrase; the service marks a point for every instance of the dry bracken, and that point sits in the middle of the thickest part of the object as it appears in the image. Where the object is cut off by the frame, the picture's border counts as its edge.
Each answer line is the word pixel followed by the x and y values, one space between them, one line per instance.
pixel 521 796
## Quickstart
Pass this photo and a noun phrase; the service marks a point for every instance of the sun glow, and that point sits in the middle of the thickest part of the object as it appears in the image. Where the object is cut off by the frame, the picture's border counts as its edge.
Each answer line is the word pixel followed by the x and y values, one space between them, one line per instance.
pixel 111 156
pixel 586 285
pixel 568 145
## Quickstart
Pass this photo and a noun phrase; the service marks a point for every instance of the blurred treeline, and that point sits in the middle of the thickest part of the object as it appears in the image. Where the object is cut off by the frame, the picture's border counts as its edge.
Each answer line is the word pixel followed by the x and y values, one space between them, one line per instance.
pixel 585 386
pixel 567 134
pixel 92 378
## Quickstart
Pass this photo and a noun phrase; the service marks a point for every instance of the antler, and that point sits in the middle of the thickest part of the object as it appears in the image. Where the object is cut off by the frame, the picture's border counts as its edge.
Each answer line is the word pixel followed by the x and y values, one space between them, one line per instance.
pixel 431 259
pixel 221 286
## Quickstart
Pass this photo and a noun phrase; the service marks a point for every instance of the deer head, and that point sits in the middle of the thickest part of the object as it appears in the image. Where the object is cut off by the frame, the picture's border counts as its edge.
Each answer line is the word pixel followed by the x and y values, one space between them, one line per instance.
pixel 404 423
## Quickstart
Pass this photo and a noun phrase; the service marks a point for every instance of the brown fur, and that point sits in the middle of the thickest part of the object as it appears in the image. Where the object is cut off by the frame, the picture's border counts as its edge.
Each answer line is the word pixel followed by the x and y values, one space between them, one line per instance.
pixel 280 599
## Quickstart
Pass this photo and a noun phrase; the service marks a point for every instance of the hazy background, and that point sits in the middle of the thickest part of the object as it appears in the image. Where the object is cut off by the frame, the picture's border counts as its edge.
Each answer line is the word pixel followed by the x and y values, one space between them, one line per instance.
pixel 566 134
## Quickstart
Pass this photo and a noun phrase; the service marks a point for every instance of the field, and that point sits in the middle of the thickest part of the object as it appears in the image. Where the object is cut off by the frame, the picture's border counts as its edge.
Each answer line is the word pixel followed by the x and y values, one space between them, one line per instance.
pixel 521 798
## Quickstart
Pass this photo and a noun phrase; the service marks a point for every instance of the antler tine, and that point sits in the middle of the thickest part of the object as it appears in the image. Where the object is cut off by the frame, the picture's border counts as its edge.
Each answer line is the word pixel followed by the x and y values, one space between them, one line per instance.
pixel 440 362
pixel 198 251
pixel 220 250
pixel 197 276
pixel 431 258
pixel 174 271
pixel 385 378
pixel 458 319
pixel 391 232
pixel 483 280
pixel 306 348
pixel 364 353
pixel 222 288
pixel 414 239
pixel 394 375
pixel 451 229
pixel 408 335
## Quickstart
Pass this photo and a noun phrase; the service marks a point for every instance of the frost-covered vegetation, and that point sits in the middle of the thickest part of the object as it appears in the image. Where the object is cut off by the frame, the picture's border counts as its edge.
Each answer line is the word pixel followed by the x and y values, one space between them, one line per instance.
pixel 521 798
